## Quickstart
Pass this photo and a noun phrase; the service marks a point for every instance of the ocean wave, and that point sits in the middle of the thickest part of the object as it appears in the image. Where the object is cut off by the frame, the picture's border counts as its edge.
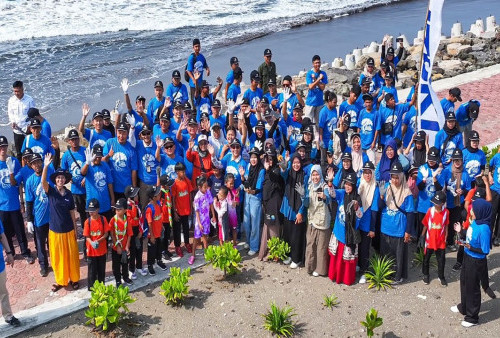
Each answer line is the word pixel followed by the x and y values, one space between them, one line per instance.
pixel 49 18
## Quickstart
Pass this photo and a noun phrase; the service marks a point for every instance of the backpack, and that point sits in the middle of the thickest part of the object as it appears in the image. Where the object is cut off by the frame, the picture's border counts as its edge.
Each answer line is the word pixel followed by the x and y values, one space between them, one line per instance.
pixel 186 75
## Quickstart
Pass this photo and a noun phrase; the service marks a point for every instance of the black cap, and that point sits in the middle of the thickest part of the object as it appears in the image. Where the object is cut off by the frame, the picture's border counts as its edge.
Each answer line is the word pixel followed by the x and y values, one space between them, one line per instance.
pixel 204 83
pixel 389 76
pixel 346 156
pixel 176 74
pixel 473 109
pixel 480 193
pixel 433 154
pixel 93 205
pixel 267 52
pixel 166 180
pixel 196 42
pixel 34 123
pixel 370 61
pixel 396 168
pixel 158 84
pixel 120 204
pixel 122 126
pixel 216 103
pixel 237 72
pixel 457 154
pixel 32 112
pixel 450 116
pixel 384 64
pixel 271 82
pixel 97 150
pixel 35 157
pixel 204 116
pixel 186 106
pixel 456 92
pixel 96 115
pixel 192 121
pixel 412 169
pixel 152 191
pixel 368 165
pixel 265 100
pixel 297 106
pixel 245 102
pixel 309 128
pixel 27 152
pixel 72 134
pixel 106 114
pixel 254 75
pixel 420 136
pixel 234 142
pixel 140 98
pixel 351 178
pixel 165 116
pixel 287 78
pixel 233 60
pixel 268 112
pixel 168 140
pixel 367 97
pixel 474 136
pixel 301 144
pixel 390 50
pixel 439 198
pixel 255 151
pixel 260 124
pixel 130 191
pixel 145 128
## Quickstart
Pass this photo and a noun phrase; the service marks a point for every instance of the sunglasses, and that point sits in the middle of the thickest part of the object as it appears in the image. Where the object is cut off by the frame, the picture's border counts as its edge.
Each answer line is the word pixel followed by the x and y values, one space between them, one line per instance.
pixel 146 133
pixel 235 146
pixel 169 146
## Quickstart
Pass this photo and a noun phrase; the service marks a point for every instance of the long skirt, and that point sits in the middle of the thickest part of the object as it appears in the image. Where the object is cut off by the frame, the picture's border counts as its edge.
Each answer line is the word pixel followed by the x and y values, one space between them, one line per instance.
pixel 317 250
pixel 64 257
pixel 268 232
pixel 341 270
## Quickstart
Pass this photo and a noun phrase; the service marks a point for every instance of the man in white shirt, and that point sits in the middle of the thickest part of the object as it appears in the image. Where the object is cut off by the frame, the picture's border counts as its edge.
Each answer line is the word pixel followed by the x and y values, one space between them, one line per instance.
pixel 17 108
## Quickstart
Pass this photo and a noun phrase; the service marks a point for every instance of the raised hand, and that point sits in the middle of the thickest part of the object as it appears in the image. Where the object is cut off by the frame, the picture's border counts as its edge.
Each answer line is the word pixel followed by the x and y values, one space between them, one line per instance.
pixel 125 86
pixel 239 100
pixel 258 144
pixel 286 94
pixel 111 152
pixel 211 149
pixel 168 102
pixel 47 159
pixel 10 164
pixel 196 75
pixel 54 142
pixel 231 105
pixel 191 143
pixel 241 170
pixel 85 110
pixel 131 120
pixel 119 107
pixel 300 189
pixel 159 141
pixel 287 156
pixel 330 174
pixel 89 156
pixel 219 80
pixel 293 87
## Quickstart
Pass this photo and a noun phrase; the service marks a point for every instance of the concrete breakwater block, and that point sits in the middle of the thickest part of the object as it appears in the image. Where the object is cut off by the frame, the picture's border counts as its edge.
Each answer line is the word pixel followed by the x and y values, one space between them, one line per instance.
pixel 456 30
pixel 337 63
pixel 350 61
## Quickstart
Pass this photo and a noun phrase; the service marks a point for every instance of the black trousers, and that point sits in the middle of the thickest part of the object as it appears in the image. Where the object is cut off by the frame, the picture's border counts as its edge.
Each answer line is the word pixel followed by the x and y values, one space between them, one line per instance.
pixel 166 236
pixel 470 292
pixel 364 252
pixel 120 270
pixel 13 224
pixel 440 255
pixel 495 219
pixel 396 248
pixel 80 204
pixel 295 236
pixel 376 240
pixel 154 251
pixel 42 244
pixel 455 216
pixel 18 145
pixel 181 225
pixel 136 247
pixel 97 269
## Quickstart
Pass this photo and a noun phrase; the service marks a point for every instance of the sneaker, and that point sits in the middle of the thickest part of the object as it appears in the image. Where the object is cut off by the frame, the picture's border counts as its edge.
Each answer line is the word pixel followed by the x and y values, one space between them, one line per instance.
pixel 246 246
pixel 13 321
pixel 166 255
pixel 161 265
pixel 397 282
pixel 468 324
pixel 287 261
pixel 315 274
pixel 178 251
pixel 452 248
pixel 191 260
pixel 151 270
pixel 362 279
pixel 44 272
pixel 426 279
pixel 189 248
pixel 490 293
pixel 144 271
pixel 29 259
pixel 456 267
pixel 133 276
pixel 454 309
pixel 127 281
pixel 443 282
pixel 251 253
pixel 294 265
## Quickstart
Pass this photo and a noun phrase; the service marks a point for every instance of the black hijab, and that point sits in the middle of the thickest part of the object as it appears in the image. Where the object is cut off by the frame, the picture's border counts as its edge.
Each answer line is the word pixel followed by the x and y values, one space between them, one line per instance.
pixel 351 239
pixel 294 177
pixel 253 175
pixel 273 182
pixel 419 156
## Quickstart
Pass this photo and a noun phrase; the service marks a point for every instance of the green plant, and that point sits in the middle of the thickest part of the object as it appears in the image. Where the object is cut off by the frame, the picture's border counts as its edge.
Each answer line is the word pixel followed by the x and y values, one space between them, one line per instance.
pixel 279 320
pixel 371 322
pixel 105 303
pixel 278 249
pixel 330 301
pixel 380 272
pixel 175 288
pixel 418 258
pixel 490 152
pixel 224 257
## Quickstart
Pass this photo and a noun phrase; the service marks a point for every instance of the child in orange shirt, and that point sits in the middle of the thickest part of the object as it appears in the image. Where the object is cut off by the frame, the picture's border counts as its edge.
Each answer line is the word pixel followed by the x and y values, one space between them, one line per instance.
pixel 435 229
pixel 95 231
pixel 121 231
pixel 134 220
pixel 154 217
pixel 181 195
pixel 166 208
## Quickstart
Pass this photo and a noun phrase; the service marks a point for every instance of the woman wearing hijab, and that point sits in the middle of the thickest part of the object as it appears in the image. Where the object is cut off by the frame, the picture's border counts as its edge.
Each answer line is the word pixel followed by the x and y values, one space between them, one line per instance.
pixel 417 155
pixel 200 157
pixel 448 139
pixel 252 179
pixel 63 248
pixel 317 202
pixel 397 220
pixel 476 248
pixel 272 196
pixel 343 246
pixel 370 196
pixel 345 169
pixel 357 154
pixel 389 156
pixel 293 210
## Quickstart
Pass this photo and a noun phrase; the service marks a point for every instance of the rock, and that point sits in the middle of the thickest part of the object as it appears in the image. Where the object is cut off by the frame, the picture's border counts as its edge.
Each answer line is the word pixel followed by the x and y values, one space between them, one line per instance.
pixel 437 77
pixel 452 48
pixel 302 73
pixel 478 47
pixel 337 63
pixel 361 62
pixel 450 66
pixel 498 49
pixel 407 64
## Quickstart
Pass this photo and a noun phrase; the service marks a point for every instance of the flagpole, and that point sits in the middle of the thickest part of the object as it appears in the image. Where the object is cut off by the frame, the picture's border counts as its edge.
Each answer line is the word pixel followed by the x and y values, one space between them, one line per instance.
pixel 421 65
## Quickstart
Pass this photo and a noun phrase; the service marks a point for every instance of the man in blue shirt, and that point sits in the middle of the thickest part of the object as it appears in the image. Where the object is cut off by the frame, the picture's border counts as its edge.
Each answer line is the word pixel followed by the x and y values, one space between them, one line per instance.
pixel 196 63
pixel 367 125
pixel 38 143
pixel 235 63
pixel 290 97
pixel 177 91
pixel 97 135
pixel 139 113
pixel 147 164
pixel 448 103
pixel 234 89
pixel 466 114
pixel 34 113
pixel 316 80
pixel 156 102
pixel 204 99
pixel 349 107
pixel 391 118
pixel 254 93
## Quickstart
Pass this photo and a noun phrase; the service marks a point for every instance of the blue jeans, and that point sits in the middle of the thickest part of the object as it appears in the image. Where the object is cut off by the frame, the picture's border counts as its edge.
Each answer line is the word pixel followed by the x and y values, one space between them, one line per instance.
pixel 251 221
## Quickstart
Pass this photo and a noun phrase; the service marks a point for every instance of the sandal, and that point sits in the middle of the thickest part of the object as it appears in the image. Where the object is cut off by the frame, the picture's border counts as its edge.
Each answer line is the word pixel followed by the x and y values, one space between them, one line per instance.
pixel 56 287
pixel 75 285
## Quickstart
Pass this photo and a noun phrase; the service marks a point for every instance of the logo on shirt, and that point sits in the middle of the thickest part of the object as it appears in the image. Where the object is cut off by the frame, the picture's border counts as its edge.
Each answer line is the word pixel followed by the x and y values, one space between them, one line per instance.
pixel 183 193
pixel 449 150
pixel 120 161
pixel 341 214
pixel 332 124
pixel 99 142
pixel 392 119
pixel 413 122
pixel 198 66
pixel 255 102
pixel 149 161
pixel 75 168
pixel 40 193
pixel 37 149
pixel 366 126
pixel 391 212
pixel 4 178
pixel 100 180
pixel 430 190
pixel 472 168
pixel 232 170
pixel 354 116
pixel 436 226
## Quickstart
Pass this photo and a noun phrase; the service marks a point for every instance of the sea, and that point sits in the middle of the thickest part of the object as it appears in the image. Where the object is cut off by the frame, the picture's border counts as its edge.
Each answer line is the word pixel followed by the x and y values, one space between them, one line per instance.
pixel 69 52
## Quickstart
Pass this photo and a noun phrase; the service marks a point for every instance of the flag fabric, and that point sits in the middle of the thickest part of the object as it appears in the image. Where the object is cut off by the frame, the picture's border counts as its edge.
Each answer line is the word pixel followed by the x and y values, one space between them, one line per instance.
pixel 430 116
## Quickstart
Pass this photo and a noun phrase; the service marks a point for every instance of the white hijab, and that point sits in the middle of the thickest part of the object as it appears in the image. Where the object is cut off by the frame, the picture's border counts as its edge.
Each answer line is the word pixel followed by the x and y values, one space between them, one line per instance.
pixel 366 191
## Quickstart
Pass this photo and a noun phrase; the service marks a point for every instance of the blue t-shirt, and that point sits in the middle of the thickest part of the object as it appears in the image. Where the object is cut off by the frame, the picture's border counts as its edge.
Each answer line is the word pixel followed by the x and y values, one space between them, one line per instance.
pixel 351 109
pixel 410 120
pixel 46 129
pixel 9 195
pixel 292 101
pixel 395 116
pixel 272 98
pixel 392 90
pixel 296 133
pixel 374 85
pixel 41 146
pixel 339 227
pixel 462 115
pixel 232 94
pixel 328 122
pixel 394 222
pixel 425 195
pixel 367 124
pixel 452 183
pixel 478 236
pixel 200 65
pixel 68 163
pixel 377 81
pixel 448 106
pixel 153 106
pixel 36 194
pixel 96 185
pixel 123 162
pixel 93 137
pixel 203 103
pixel 253 96
pixel 158 132
pixel 473 162
pixel 179 93
pixel 315 95
pixel 232 167
pixel 23 175
pixel 260 180
pixel 230 77
pixel 366 223
pixel 495 167
pixel 168 165
pixel 455 142
pixel 59 209
pixel 147 162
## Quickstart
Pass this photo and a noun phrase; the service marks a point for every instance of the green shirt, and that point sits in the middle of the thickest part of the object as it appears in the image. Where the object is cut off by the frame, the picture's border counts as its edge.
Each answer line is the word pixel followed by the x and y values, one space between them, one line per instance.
pixel 267 72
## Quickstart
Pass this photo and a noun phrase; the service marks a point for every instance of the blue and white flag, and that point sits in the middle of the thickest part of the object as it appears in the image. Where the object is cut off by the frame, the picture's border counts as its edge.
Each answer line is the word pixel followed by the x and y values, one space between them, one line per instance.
pixel 431 116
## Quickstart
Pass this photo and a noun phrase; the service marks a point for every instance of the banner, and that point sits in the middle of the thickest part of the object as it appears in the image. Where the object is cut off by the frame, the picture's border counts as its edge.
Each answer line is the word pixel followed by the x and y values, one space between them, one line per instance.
pixel 431 116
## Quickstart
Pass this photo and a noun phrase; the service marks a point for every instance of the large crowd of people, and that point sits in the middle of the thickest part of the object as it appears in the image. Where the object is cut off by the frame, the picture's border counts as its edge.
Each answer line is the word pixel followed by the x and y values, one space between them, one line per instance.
pixel 336 182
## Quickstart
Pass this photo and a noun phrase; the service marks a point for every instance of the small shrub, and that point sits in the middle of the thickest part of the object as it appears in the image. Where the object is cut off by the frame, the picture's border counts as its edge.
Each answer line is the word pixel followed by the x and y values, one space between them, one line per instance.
pixel 371 322
pixel 175 288
pixel 279 320
pixel 490 152
pixel 380 272
pixel 278 249
pixel 418 258
pixel 224 257
pixel 330 301
pixel 105 303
